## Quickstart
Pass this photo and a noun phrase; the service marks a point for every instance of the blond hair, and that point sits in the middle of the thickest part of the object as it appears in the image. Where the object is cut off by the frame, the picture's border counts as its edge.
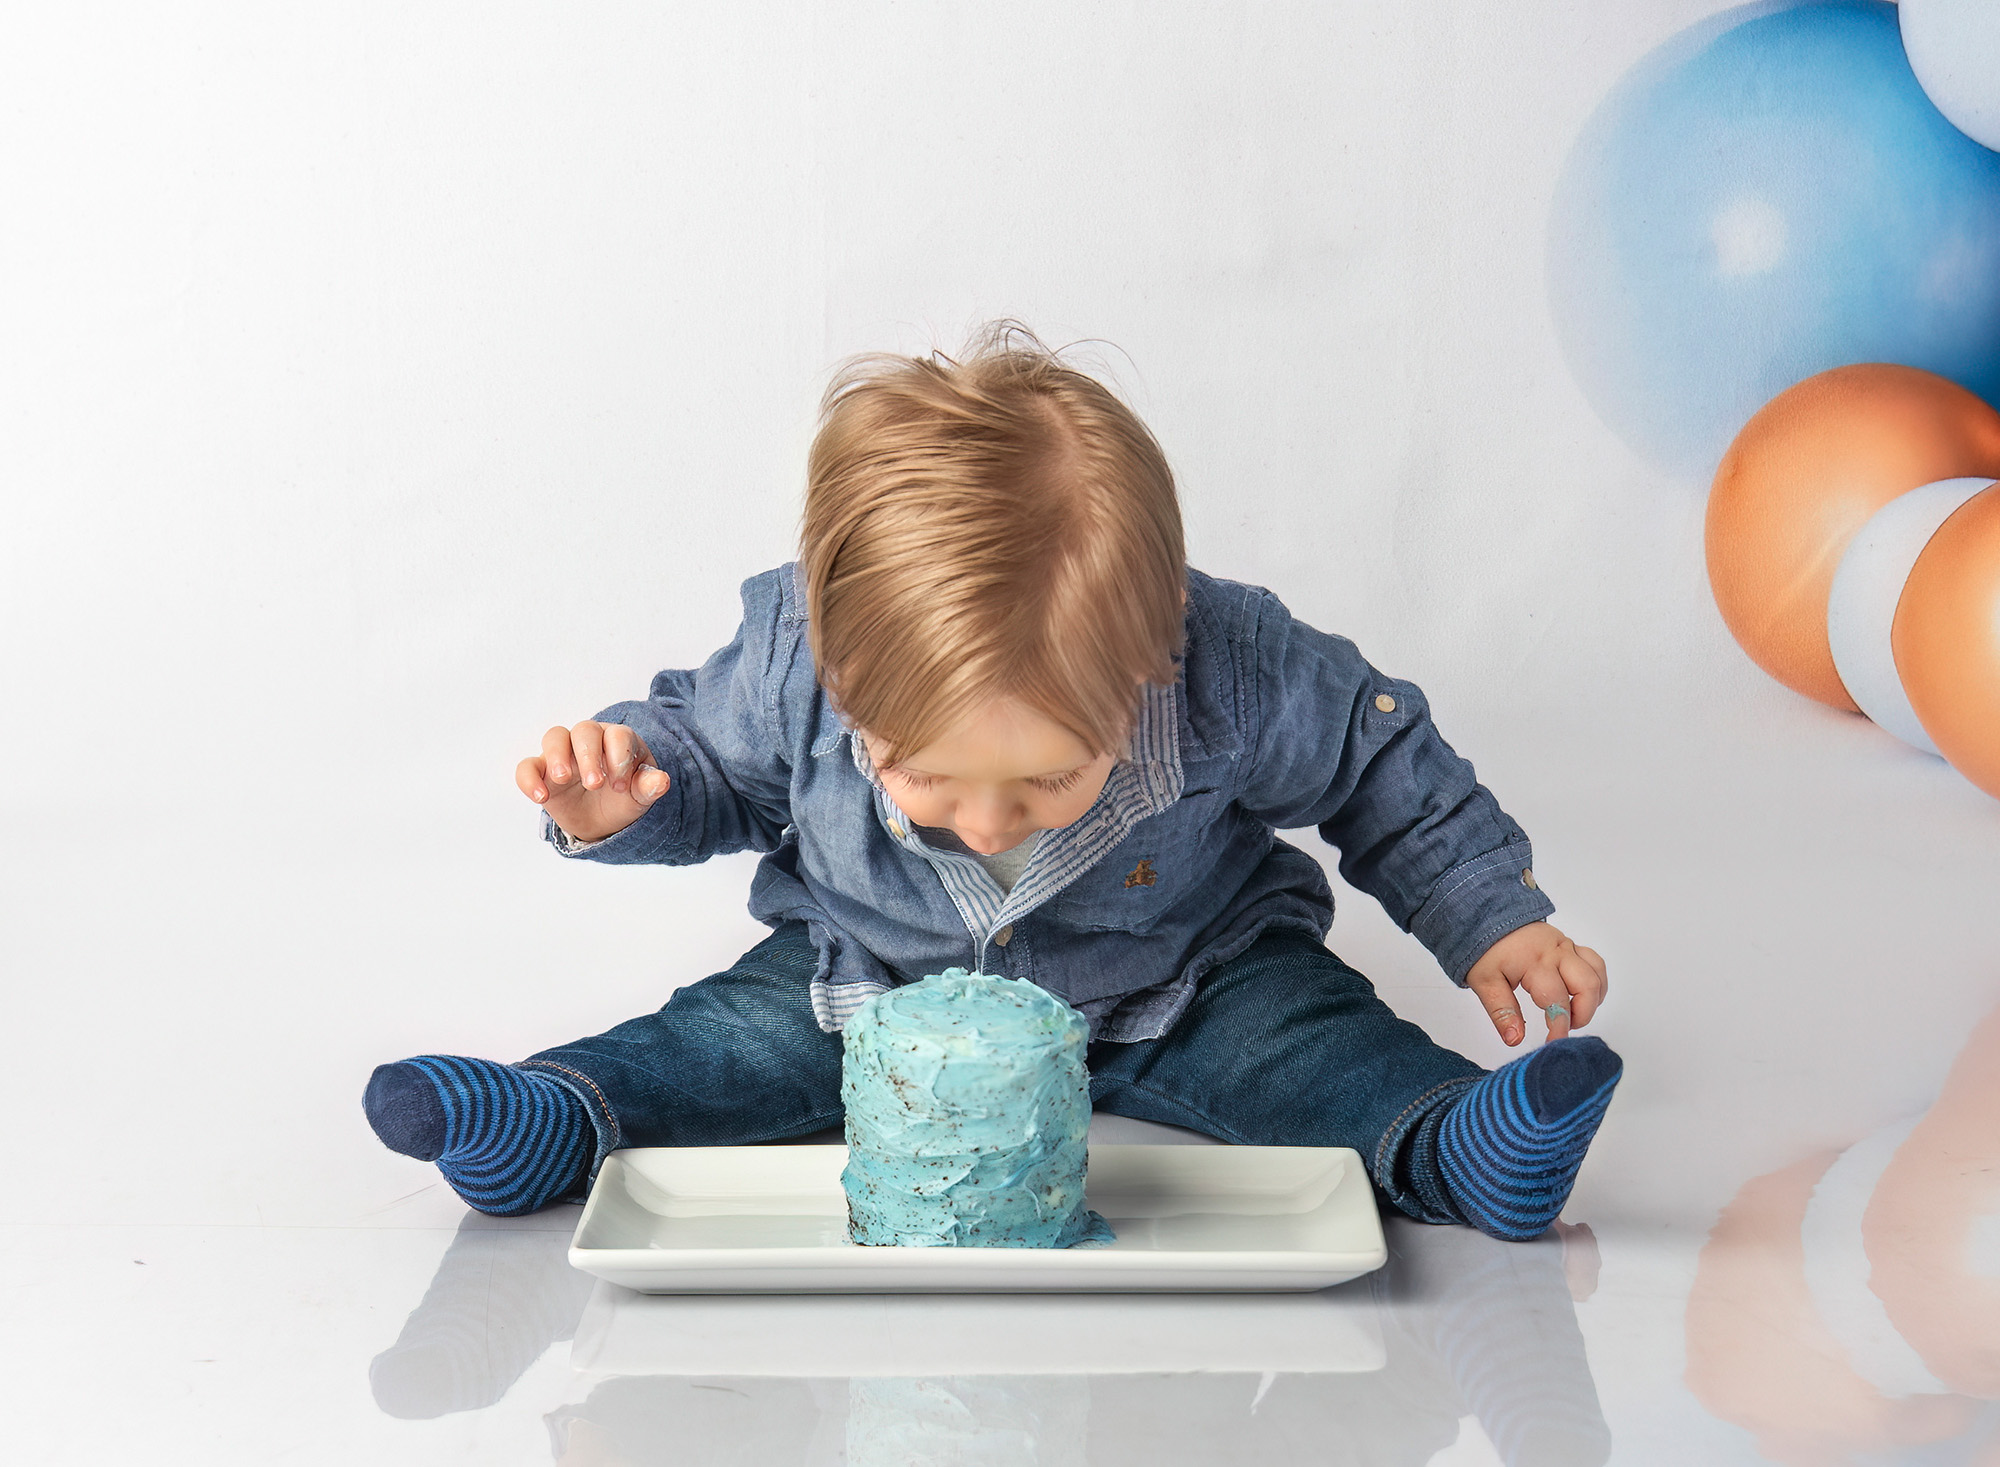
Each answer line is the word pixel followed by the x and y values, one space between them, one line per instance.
pixel 999 525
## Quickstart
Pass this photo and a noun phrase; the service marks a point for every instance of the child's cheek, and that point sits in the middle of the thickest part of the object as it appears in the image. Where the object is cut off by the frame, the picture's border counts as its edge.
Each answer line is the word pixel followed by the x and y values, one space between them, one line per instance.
pixel 1066 811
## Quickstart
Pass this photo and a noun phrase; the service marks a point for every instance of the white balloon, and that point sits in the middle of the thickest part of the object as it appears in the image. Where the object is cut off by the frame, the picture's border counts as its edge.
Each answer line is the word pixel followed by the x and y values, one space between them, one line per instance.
pixel 1861 609
pixel 1954 48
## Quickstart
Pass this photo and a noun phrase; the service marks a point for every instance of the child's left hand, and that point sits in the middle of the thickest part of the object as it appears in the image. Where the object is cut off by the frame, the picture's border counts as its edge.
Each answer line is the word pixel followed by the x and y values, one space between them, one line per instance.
pixel 1564 981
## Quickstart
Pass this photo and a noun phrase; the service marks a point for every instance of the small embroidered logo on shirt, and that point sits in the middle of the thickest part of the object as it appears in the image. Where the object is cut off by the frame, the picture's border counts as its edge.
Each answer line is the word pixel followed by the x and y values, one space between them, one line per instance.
pixel 1143 874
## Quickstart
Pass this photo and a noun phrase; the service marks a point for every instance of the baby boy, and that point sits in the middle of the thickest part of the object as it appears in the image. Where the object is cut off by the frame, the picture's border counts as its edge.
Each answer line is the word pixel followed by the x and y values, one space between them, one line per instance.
pixel 991 719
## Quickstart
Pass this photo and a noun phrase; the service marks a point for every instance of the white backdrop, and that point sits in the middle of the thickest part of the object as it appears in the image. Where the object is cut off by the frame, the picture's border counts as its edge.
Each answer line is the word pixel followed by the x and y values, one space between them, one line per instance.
pixel 382 384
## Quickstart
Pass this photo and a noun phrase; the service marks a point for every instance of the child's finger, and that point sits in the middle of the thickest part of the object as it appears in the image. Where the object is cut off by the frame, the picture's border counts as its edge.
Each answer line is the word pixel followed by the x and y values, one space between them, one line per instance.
pixel 532 776
pixel 1590 956
pixel 587 738
pixel 558 759
pixel 1551 995
pixel 1498 997
pixel 650 783
pixel 1585 985
pixel 623 752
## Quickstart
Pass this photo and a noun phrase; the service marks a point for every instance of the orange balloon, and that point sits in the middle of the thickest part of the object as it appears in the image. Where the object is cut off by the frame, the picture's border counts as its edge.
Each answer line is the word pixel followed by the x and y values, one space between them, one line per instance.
pixel 1946 639
pixel 1806 473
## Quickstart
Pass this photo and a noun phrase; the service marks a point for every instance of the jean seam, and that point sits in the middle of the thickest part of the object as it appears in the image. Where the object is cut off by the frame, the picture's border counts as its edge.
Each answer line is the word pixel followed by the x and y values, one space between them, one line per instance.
pixel 617 1131
pixel 1391 1132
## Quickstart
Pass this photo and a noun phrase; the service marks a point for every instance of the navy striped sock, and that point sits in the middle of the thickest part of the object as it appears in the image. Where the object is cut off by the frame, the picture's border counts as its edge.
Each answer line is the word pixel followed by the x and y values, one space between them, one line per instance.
pixel 508 1140
pixel 1509 1148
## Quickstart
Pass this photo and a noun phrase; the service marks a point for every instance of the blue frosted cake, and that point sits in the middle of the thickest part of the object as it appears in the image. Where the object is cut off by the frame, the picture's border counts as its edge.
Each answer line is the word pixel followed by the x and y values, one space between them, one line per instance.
pixel 967 1111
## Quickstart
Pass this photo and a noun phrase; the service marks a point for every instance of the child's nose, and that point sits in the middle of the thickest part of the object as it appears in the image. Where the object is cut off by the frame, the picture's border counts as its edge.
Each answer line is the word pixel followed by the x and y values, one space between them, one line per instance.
pixel 988 828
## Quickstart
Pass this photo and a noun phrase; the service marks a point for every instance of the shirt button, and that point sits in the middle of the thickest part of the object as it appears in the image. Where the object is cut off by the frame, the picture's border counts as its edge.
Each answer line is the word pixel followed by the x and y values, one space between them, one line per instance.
pixel 1004 935
pixel 1386 703
pixel 895 830
pixel 1528 879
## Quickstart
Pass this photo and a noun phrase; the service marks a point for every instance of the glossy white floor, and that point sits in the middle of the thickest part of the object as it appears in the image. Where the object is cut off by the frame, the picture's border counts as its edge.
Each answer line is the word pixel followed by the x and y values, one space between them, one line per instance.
pixel 384 382
pixel 209 1259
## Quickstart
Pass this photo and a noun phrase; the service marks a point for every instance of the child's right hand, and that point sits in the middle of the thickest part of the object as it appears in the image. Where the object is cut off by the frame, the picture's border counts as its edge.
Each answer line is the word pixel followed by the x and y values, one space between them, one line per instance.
pixel 594 779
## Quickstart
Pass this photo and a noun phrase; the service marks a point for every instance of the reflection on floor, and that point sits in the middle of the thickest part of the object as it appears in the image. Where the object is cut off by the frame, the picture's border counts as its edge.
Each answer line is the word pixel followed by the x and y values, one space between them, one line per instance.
pixel 1844 1311
pixel 1457 1326
pixel 1849 1304
pixel 500 1299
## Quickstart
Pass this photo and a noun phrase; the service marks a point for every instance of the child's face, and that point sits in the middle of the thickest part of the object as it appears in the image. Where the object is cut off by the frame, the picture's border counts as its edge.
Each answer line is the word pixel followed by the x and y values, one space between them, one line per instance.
pixel 1002 774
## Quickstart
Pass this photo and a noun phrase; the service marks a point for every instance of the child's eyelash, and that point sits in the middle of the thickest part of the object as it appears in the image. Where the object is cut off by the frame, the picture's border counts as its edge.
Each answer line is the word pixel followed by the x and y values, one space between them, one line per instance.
pixel 1054 786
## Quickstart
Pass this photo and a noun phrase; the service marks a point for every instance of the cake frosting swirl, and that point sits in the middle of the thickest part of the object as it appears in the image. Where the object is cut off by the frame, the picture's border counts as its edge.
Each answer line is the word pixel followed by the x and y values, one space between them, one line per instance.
pixel 968 1109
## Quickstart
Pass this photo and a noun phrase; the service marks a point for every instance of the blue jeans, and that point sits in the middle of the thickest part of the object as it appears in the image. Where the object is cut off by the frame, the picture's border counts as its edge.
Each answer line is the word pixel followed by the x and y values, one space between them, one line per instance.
pixel 1284 1045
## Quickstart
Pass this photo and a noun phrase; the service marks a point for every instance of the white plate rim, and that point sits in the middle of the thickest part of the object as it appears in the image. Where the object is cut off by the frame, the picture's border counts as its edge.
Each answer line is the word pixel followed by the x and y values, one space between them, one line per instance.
pixel 1060 1269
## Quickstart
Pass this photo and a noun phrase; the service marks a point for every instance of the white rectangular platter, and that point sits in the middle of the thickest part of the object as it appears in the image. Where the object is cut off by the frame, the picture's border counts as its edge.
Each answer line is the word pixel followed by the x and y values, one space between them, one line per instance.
pixel 773 1220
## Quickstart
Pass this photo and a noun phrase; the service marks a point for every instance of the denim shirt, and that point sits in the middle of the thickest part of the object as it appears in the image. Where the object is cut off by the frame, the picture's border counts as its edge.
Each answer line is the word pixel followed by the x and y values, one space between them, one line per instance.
pixel 1175 868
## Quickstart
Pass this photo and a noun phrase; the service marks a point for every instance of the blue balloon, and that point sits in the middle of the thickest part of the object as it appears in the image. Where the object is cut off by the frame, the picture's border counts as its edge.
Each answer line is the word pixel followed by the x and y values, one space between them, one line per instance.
pixel 1768 195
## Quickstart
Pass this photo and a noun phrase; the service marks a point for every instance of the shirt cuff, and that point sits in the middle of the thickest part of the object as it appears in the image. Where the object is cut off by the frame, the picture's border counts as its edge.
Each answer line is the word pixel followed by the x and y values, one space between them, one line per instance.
pixel 565 843
pixel 1477 903
pixel 650 838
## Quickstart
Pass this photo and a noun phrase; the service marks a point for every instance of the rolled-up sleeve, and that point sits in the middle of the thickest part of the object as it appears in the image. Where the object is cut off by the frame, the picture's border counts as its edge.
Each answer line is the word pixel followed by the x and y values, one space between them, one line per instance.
pixel 716 731
pixel 1338 745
